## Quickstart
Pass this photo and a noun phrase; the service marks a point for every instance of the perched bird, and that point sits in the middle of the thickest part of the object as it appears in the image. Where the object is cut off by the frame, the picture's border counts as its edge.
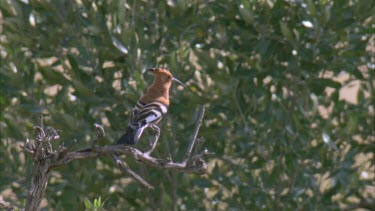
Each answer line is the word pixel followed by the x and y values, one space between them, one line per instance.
pixel 151 107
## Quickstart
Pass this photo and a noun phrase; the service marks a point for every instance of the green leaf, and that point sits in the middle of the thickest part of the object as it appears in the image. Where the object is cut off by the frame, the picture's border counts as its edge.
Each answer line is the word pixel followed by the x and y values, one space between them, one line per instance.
pixel 88 204
pixel 286 31
pixel 82 89
pixel 74 64
pixel 202 183
pixel 319 85
pixel 246 14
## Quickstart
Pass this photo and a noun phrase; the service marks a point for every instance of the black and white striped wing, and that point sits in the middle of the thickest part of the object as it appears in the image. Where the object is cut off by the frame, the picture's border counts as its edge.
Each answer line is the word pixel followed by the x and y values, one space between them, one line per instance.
pixel 150 113
pixel 138 107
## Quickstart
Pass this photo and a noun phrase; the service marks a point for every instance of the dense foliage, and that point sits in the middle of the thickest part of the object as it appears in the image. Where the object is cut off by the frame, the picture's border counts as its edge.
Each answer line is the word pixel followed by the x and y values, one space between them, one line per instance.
pixel 288 85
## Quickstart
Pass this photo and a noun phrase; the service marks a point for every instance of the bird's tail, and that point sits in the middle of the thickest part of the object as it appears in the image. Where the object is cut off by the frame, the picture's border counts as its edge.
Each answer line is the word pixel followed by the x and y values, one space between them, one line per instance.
pixel 127 138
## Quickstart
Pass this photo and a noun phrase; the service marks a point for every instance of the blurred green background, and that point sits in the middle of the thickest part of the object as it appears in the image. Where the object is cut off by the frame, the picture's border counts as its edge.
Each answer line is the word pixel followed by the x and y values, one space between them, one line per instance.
pixel 288 85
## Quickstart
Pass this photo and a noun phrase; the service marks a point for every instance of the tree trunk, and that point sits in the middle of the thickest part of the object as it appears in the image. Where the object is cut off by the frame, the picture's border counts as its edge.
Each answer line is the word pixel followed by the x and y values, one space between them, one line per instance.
pixel 38 187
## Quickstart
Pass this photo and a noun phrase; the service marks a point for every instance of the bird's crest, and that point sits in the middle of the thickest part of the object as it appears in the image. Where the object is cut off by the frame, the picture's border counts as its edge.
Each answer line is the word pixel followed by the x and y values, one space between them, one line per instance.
pixel 160 71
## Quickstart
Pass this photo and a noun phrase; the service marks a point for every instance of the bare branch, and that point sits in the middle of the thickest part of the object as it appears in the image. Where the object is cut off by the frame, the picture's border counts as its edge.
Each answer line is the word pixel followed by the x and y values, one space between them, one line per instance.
pixel 46 158
pixel 39 133
pixel 195 134
pixel 129 152
pixel 28 147
pixel 125 168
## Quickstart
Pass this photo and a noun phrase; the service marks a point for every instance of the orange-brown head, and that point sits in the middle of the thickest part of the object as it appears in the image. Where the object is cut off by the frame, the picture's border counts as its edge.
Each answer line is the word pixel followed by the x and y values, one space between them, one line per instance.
pixel 159 89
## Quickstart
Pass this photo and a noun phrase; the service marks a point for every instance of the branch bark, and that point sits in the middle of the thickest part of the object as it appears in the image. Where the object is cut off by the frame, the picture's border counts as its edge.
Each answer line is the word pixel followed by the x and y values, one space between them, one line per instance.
pixel 46 158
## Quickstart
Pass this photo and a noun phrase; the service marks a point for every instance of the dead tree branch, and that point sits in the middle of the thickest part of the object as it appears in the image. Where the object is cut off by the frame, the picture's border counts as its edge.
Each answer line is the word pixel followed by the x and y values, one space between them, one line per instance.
pixel 46 158
pixel 195 134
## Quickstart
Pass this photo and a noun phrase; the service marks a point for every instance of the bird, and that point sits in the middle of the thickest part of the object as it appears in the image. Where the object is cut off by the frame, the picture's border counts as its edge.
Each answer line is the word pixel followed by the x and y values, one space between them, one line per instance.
pixel 151 107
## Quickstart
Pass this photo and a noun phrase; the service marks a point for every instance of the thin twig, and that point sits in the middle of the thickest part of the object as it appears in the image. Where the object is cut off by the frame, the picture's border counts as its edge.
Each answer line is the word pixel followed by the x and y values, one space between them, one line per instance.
pixel 41 118
pixel 39 133
pixel 125 168
pixel 195 134
pixel 72 144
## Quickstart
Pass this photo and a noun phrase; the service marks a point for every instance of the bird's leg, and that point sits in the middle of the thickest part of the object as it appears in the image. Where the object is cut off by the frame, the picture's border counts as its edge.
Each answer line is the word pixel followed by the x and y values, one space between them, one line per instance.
pixel 157 129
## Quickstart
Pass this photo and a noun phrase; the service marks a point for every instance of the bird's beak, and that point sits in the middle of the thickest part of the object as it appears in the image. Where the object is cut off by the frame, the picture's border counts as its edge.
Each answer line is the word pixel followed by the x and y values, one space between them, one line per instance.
pixel 179 82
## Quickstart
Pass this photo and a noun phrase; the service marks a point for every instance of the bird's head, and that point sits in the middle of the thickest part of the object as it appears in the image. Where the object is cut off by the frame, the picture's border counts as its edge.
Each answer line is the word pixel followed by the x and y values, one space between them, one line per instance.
pixel 164 76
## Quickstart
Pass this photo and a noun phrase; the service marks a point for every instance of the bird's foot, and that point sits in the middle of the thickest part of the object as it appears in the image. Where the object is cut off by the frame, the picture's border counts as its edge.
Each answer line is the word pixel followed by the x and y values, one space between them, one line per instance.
pixel 157 129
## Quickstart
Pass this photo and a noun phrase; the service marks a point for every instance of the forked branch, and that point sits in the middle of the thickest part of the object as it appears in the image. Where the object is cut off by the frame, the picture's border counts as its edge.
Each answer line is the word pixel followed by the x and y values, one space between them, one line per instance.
pixel 45 157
